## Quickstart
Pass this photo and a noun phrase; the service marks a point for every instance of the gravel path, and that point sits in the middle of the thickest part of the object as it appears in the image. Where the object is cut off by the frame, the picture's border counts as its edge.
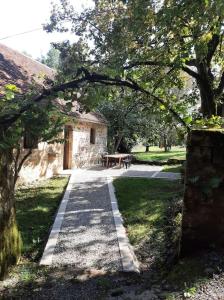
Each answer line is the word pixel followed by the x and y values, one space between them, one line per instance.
pixel 88 237
pixel 84 233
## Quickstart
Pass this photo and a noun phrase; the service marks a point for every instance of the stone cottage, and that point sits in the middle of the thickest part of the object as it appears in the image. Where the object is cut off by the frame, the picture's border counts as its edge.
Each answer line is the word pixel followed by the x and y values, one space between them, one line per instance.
pixel 85 138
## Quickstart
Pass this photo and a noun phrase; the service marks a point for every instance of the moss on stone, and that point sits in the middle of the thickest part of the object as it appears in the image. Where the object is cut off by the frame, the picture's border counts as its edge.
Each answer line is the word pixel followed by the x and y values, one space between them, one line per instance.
pixel 10 246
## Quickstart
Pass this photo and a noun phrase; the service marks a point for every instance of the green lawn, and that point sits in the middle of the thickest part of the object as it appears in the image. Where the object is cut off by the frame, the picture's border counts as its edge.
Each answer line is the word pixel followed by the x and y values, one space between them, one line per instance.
pixel 158 154
pixel 143 204
pixel 172 168
pixel 36 206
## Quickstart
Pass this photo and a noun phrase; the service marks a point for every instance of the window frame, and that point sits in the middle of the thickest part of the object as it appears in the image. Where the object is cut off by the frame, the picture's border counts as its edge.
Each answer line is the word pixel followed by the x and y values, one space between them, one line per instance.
pixel 30 141
pixel 92 136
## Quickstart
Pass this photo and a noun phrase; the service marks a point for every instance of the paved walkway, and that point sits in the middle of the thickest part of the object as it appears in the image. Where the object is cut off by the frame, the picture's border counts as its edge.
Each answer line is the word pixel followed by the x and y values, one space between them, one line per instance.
pixel 145 171
pixel 88 230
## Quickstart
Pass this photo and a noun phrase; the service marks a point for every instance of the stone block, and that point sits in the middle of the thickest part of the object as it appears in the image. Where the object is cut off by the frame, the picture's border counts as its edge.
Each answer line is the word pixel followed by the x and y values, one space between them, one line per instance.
pixel 207 138
pixel 218 156
pixel 203 213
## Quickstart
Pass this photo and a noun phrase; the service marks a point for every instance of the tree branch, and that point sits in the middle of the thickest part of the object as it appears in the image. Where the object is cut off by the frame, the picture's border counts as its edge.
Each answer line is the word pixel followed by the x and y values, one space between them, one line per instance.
pixel 191 73
pixel 23 160
pixel 157 63
pixel 9 118
pixel 88 78
pixel 191 63
pixel 212 46
pixel 146 63
pixel 163 102
pixel 18 165
pixel 220 87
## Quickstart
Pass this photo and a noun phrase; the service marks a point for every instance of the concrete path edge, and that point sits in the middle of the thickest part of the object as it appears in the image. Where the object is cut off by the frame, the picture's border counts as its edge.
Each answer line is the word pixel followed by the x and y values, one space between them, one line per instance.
pixel 53 237
pixel 128 258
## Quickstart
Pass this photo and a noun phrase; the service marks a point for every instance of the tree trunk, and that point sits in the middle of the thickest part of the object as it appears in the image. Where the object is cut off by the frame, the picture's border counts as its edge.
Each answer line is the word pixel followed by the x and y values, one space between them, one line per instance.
pixel 205 84
pixel 117 142
pixel 208 105
pixel 10 240
pixel 146 148
pixel 165 144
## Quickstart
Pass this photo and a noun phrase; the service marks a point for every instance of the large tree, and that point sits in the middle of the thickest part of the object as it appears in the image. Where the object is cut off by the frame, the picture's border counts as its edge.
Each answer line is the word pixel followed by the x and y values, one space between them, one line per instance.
pixel 123 110
pixel 40 123
pixel 151 42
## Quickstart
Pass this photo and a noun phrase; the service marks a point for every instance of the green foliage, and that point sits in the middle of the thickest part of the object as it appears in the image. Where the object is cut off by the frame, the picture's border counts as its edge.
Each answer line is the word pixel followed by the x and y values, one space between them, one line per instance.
pixel 190 292
pixel 160 128
pixel 42 120
pixel 171 48
pixel 215 122
pixel 124 115
pixel 43 123
pixel 51 59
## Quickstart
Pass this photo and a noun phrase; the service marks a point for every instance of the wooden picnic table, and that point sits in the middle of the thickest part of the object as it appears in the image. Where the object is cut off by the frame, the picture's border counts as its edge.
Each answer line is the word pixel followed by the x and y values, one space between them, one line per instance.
pixel 118 157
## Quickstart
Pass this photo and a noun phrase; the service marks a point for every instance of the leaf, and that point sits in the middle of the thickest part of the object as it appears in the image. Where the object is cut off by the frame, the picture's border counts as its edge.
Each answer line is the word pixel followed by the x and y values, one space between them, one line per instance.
pixel 61 94
pixel 11 87
pixel 9 95
pixel 162 107
pixel 188 120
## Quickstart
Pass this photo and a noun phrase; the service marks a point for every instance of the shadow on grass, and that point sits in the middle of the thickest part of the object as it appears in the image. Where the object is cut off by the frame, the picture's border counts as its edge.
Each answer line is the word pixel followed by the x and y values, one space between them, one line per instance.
pixel 35 209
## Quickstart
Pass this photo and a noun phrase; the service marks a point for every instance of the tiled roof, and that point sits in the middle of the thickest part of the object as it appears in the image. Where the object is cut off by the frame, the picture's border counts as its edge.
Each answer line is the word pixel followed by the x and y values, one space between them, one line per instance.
pixel 21 70
pixel 92 117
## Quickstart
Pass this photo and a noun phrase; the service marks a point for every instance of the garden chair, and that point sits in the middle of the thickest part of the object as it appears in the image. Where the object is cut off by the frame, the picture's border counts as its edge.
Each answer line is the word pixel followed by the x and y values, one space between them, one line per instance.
pixel 103 159
pixel 127 161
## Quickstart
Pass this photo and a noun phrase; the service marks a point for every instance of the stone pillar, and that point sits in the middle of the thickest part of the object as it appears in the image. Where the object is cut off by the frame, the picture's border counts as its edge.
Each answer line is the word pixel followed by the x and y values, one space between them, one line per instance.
pixel 203 212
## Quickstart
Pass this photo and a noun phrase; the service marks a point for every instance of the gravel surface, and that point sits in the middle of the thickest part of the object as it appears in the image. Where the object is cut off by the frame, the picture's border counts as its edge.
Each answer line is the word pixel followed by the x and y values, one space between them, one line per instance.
pixel 213 290
pixel 88 236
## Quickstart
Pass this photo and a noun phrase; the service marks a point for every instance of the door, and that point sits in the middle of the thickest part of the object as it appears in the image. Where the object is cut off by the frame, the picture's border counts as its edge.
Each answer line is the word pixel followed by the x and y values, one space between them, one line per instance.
pixel 68 134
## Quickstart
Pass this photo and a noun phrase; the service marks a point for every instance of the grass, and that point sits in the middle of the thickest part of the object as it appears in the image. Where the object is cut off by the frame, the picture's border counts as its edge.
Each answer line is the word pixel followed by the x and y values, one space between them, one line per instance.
pixel 172 168
pixel 151 212
pixel 36 206
pixel 158 154
pixel 143 204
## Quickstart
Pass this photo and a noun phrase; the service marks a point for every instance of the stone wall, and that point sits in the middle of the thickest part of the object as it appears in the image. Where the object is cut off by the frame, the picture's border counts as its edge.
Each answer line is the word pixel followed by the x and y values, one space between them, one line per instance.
pixel 44 162
pixel 47 160
pixel 85 153
pixel 203 212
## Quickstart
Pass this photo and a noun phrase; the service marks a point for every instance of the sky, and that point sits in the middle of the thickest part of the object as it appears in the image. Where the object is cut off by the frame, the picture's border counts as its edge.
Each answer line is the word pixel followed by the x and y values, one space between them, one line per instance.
pixel 17 16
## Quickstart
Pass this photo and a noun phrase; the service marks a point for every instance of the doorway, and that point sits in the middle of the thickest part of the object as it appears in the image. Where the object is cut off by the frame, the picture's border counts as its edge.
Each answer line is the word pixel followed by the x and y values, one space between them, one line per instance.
pixel 68 134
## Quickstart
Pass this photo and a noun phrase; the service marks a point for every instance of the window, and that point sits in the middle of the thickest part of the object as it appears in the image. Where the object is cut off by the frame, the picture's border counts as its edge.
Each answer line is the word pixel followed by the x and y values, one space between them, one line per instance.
pixel 92 136
pixel 30 141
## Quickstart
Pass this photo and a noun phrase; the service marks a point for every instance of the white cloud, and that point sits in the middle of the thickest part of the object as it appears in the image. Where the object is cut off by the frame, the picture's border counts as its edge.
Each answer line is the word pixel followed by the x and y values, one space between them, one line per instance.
pixel 18 16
